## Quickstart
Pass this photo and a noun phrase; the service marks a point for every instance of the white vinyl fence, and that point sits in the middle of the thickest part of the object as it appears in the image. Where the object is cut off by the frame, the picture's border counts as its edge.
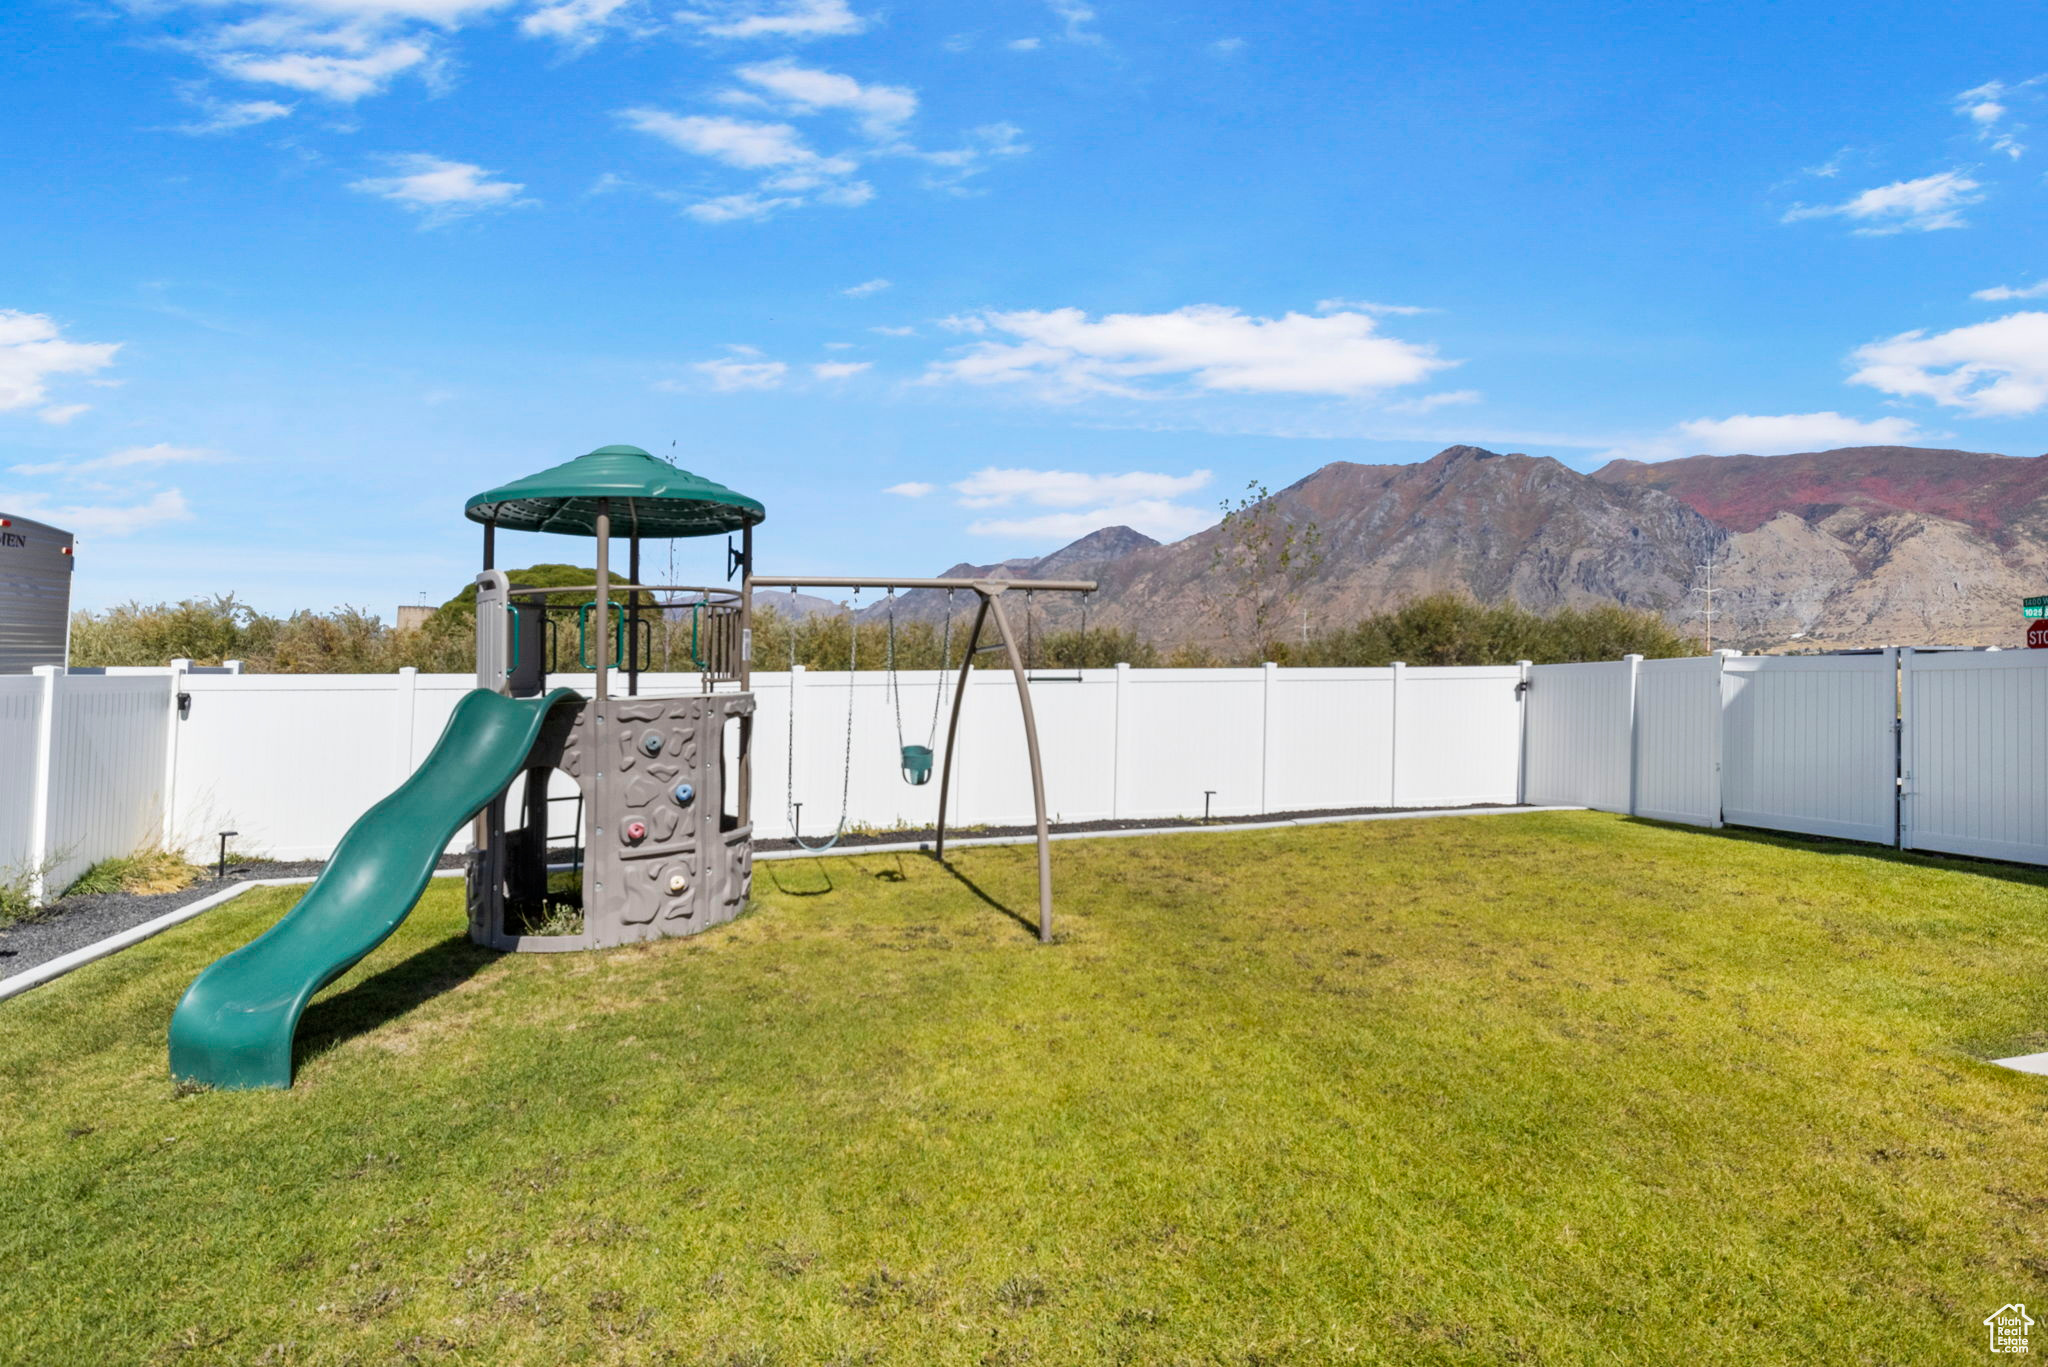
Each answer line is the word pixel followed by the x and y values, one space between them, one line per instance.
pixel 1929 750
pixel 1974 754
pixel 89 758
pixel 289 761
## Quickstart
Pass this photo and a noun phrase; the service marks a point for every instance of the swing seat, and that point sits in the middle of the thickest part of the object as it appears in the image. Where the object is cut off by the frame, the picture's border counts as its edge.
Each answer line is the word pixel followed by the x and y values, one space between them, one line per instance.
pixel 917 765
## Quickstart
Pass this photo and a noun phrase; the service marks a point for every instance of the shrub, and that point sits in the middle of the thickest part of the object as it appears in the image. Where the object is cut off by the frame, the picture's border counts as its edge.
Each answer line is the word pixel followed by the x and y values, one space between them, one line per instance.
pixel 149 870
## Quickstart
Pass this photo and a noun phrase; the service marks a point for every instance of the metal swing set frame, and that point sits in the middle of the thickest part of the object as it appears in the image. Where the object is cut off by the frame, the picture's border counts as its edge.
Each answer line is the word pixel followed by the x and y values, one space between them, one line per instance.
pixel 989 593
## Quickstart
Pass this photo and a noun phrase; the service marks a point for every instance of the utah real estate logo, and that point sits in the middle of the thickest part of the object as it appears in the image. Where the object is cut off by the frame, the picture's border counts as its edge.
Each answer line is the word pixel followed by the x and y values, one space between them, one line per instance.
pixel 2008 1325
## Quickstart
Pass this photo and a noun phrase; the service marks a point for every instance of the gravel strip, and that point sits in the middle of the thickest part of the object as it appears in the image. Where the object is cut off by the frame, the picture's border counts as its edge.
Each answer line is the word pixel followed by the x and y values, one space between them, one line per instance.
pixel 74 922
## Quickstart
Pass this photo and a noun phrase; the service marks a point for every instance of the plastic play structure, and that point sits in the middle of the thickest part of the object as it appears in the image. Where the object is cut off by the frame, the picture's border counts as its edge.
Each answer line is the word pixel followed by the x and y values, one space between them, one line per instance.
pixel 663 784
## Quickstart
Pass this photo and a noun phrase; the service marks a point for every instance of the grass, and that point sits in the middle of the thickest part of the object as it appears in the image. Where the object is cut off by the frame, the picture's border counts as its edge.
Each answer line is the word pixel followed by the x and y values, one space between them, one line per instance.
pixel 17 899
pixel 1552 1088
pixel 148 870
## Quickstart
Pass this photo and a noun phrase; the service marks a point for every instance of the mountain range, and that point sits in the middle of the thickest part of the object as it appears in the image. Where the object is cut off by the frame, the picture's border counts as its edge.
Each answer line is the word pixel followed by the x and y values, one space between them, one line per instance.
pixel 1862 546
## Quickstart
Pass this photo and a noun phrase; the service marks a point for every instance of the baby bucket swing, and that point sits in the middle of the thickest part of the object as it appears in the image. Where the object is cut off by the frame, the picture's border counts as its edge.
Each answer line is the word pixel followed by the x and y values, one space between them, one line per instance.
pixel 916 760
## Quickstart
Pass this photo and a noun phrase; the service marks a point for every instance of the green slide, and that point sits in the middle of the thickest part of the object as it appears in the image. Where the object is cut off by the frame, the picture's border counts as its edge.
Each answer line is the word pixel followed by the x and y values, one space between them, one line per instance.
pixel 235 1025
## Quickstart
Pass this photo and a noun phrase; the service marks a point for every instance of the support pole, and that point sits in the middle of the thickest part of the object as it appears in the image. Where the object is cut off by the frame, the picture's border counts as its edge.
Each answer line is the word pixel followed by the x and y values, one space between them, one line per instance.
pixel 490 545
pixel 953 726
pixel 604 597
pixel 633 609
pixel 995 601
pixel 745 806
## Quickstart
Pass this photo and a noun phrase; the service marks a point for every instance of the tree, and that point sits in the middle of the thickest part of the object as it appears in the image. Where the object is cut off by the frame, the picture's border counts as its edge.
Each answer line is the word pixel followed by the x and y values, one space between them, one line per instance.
pixel 1262 559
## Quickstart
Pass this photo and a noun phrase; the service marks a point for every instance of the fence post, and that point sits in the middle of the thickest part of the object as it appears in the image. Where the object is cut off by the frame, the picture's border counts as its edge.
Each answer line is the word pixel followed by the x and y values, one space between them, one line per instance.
pixel 39 795
pixel 1268 676
pixel 1721 659
pixel 403 700
pixel 177 681
pixel 1522 734
pixel 1394 737
pixel 1116 743
pixel 1635 666
pixel 797 734
pixel 1902 677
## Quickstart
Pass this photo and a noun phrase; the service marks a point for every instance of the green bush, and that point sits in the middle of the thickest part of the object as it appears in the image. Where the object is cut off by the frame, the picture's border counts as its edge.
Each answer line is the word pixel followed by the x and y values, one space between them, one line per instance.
pixel 1447 629
pixel 149 870
pixel 1442 629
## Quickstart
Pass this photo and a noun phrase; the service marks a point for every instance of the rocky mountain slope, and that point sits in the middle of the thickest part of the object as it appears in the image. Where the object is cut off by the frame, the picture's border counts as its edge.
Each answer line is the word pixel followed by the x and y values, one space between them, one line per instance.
pixel 1867 545
pixel 1083 559
pixel 1855 547
pixel 1522 528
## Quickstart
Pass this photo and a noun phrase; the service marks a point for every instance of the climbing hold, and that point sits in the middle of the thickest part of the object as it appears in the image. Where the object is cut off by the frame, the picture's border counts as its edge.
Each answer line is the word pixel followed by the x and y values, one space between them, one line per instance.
pixel 676 882
pixel 636 831
pixel 651 742
pixel 684 792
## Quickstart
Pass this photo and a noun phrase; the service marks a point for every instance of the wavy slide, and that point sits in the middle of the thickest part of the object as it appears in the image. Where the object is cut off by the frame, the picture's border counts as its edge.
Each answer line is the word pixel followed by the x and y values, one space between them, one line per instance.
pixel 235 1024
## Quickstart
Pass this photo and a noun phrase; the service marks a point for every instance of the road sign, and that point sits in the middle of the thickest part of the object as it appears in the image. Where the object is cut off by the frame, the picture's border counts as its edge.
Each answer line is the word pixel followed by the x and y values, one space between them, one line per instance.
pixel 2037 606
pixel 2037 635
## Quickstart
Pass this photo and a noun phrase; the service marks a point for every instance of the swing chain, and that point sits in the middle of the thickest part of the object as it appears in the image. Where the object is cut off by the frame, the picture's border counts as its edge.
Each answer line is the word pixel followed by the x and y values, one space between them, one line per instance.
pixel 846 773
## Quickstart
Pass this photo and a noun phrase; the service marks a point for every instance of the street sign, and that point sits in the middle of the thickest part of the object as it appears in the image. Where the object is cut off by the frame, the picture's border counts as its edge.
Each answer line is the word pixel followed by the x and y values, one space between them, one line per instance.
pixel 2037 606
pixel 2037 635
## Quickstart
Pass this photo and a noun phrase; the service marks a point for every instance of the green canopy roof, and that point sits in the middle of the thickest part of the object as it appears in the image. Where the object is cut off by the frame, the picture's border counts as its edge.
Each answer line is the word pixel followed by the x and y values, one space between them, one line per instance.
pixel 649 497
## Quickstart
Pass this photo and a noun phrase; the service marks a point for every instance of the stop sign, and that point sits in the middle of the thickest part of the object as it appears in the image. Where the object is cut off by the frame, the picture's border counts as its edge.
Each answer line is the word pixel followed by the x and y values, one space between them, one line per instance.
pixel 2037 634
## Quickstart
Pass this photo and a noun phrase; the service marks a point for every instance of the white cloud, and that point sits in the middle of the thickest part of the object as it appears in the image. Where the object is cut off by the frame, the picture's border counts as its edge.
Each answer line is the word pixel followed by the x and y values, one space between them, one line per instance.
pixel 1830 168
pixel 1024 44
pixel 911 489
pixel 1075 16
pixel 787 19
pixel 1924 205
pixel 1081 503
pixel 58 414
pixel 881 109
pixel 344 79
pixel 866 288
pixel 1064 353
pixel 32 350
pixel 228 116
pixel 970 158
pixel 572 21
pixel 1429 403
pixel 1368 306
pixel 1986 107
pixel 736 142
pixel 1759 435
pixel 1992 369
pixel 127 458
pixel 1227 47
pixel 996 487
pixel 1998 293
pixel 792 173
pixel 839 370
pixel 441 190
pixel 167 505
pixel 738 208
pixel 850 195
pixel 741 371
pixel 894 331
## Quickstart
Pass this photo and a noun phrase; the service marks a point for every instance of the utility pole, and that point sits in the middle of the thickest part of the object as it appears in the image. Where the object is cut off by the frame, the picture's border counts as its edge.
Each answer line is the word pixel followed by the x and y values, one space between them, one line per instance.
pixel 1707 613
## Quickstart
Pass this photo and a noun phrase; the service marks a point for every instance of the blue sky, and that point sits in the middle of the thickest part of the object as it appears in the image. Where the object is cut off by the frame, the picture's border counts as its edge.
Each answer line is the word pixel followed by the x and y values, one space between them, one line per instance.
pixel 285 281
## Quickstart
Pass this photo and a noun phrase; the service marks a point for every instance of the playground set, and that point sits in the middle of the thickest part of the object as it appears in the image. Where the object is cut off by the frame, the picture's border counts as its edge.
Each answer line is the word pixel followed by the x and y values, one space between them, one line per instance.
pixel 663 783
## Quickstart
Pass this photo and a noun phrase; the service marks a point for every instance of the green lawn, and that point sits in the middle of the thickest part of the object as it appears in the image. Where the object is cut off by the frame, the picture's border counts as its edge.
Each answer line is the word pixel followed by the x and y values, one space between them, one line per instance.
pixel 1538 1088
